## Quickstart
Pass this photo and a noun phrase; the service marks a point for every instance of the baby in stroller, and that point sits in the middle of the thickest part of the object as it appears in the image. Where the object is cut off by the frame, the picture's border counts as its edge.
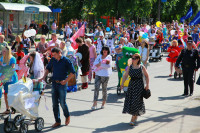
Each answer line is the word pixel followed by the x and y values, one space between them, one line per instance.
pixel 155 53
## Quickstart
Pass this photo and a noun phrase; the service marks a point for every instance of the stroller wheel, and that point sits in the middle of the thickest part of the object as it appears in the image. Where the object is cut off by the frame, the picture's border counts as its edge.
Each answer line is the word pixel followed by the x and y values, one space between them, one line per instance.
pixel 39 124
pixel 23 128
pixel 8 127
pixel 118 91
pixel 179 75
pixel 16 119
pixel 175 75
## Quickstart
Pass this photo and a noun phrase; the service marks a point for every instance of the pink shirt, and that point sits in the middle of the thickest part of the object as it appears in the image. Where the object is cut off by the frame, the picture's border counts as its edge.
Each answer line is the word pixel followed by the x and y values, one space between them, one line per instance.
pixel 91 49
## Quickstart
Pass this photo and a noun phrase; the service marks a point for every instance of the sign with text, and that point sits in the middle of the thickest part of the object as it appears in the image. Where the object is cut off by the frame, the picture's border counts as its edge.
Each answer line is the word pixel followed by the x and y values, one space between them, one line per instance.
pixel 31 10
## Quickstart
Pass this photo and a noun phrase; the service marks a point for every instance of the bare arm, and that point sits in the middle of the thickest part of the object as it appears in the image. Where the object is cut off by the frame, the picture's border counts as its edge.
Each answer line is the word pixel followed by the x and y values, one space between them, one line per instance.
pixel 147 77
pixel 70 76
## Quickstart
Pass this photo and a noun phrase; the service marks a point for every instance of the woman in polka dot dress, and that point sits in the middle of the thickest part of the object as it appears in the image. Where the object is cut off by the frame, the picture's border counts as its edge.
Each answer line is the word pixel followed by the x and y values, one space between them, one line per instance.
pixel 134 103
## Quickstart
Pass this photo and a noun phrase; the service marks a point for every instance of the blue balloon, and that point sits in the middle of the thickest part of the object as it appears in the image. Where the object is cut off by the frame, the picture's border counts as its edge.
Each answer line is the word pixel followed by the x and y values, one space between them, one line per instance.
pixel 108 29
pixel 145 35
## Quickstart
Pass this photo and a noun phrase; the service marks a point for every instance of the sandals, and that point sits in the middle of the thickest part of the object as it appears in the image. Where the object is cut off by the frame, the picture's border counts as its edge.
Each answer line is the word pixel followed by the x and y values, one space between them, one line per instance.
pixel 7 111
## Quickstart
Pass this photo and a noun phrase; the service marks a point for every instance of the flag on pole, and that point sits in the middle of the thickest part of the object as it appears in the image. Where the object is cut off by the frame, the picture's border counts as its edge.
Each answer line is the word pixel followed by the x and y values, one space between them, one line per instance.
pixel 196 19
pixel 80 32
pixel 188 15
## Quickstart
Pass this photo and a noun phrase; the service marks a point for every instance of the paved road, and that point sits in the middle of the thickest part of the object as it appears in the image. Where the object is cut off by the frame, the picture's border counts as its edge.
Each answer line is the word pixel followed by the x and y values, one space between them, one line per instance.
pixel 166 111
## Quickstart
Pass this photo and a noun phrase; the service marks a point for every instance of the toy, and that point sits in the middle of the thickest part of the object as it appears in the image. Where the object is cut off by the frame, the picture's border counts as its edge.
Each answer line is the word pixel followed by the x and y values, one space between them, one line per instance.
pixel 123 62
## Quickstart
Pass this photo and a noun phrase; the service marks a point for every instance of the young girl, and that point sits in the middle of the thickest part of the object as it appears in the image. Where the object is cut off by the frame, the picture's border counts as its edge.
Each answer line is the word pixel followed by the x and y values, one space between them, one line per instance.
pixel 144 52
pixel 27 44
pixel 174 51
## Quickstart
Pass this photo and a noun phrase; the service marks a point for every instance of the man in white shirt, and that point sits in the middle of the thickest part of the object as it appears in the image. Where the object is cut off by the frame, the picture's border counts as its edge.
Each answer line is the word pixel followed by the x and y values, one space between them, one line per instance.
pixel 54 27
pixel 55 42
pixel 68 31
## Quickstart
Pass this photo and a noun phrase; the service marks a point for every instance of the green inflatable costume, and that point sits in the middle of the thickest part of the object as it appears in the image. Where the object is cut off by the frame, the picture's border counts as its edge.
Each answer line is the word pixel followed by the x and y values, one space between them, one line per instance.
pixel 127 53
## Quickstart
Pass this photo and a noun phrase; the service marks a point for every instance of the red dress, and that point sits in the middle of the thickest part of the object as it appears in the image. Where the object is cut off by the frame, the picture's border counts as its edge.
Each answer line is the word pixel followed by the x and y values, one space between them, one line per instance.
pixel 173 53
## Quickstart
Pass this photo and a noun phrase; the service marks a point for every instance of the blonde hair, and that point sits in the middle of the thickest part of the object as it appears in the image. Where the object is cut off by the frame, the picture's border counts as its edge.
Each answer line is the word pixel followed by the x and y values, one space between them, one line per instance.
pixel 63 42
pixel 175 41
pixel 19 37
pixel 88 40
pixel 2 36
pixel 43 36
pixel 8 55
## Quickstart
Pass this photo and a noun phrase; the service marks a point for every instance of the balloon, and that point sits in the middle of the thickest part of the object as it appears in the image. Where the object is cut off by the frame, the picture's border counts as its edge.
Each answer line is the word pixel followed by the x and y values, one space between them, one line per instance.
pixel 108 29
pixel 145 36
pixel 123 20
pixel 27 33
pixel 172 32
pixel 158 23
pixel 181 34
pixel 148 27
pixel 141 33
pixel 32 32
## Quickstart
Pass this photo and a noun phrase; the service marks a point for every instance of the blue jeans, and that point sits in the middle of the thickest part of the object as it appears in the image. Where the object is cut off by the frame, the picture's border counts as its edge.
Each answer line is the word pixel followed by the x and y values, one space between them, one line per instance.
pixel 59 93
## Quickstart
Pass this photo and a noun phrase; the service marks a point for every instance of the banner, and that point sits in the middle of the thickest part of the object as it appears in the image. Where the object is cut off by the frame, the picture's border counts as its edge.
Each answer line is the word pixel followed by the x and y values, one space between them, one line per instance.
pixel 188 15
pixel 196 19
pixel 80 32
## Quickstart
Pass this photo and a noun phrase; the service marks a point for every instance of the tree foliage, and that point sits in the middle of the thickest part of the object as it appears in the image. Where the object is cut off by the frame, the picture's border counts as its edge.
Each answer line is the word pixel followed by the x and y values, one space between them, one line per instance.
pixel 170 10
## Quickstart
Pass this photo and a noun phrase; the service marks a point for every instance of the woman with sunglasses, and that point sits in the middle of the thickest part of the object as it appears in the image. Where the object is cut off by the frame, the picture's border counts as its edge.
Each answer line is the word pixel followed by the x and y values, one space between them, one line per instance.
pixel 10 60
pixel 134 104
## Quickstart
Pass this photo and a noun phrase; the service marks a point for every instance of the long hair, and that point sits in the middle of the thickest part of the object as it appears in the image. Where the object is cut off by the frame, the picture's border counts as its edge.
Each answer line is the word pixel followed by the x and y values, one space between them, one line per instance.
pixel 32 54
pixel 8 55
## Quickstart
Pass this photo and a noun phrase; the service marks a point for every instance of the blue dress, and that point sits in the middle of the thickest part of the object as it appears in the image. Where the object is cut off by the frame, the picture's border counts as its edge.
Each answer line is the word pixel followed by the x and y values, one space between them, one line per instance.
pixel 14 78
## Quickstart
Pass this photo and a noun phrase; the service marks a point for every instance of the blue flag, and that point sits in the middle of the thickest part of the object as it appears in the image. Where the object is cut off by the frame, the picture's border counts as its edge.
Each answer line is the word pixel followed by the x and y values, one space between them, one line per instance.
pixel 196 19
pixel 188 15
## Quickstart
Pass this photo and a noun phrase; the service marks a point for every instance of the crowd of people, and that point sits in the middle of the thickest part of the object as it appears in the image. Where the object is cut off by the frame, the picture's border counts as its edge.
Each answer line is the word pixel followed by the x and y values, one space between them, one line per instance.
pixel 95 54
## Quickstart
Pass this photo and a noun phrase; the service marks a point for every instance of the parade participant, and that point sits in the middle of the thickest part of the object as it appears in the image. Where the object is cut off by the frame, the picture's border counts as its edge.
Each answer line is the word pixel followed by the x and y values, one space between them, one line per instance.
pixel 190 63
pixel 63 71
pixel 10 60
pixel 185 36
pixel 174 51
pixel 63 48
pixel 2 42
pixel 160 37
pixel 103 62
pixel 17 43
pixel 26 44
pixel 134 37
pixel 93 56
pixel 20 54
pixel 195 36
pixel 144 52
pixel 45 28
pixel 85 62
pixel 55 42
pixel 54 26
pixel 101 42
pixel 134 104
pixel 119 55
pixel 176 36
pixel 128 44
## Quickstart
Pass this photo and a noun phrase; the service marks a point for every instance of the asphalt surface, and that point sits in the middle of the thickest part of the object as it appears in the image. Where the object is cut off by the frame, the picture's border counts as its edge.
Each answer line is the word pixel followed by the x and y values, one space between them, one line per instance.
pixel 166 110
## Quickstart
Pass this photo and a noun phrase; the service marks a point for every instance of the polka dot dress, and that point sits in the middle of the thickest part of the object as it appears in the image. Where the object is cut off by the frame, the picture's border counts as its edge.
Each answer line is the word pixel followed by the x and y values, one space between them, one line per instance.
pixel 134 103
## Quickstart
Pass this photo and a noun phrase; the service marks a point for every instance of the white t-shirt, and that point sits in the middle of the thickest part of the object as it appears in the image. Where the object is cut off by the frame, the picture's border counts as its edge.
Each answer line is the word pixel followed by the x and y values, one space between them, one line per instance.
pixel 106 70
pixel 100 45
pixel 54 26
pixel 143 53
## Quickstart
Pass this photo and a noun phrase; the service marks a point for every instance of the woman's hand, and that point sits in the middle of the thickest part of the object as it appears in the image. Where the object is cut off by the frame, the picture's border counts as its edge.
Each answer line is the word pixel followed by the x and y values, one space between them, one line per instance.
pixel 121 87
pixel 98 65
pixel 147 87
pixel 107 62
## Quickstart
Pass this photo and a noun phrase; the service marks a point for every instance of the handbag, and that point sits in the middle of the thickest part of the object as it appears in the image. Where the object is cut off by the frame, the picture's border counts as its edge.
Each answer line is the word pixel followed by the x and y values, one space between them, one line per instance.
pixel 198 80
pixel 145 93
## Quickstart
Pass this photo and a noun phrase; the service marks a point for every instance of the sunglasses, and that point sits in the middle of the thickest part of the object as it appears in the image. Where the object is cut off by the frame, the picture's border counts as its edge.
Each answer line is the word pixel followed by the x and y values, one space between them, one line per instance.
pixel 134 58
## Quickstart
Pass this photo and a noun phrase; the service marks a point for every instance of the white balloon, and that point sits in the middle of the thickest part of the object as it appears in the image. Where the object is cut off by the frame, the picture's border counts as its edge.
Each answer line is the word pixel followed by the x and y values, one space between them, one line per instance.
pixel 27 33
pixel 141 33
pixel 172 32
pixel 148 27
pixel 32 32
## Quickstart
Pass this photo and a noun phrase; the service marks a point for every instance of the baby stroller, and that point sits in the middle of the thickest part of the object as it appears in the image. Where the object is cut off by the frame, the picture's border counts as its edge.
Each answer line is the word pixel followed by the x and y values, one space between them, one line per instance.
pixel 25 100
pixel 155 53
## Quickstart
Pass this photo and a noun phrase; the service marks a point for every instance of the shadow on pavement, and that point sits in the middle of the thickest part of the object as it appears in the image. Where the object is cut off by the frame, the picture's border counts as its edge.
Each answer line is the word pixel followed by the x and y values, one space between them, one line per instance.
pixel 178 79
pixel 161 77
pixel 160 121
pixel 118 127
pixel 171 98
pixel 81 112
pixel 113 98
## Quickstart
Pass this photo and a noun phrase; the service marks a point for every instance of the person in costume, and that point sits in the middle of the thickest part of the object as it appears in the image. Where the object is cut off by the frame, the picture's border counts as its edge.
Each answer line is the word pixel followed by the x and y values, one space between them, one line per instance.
pixel 84 50
pixel 36 70
pixel 101 42
pixel 10 60
pixel 174 51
